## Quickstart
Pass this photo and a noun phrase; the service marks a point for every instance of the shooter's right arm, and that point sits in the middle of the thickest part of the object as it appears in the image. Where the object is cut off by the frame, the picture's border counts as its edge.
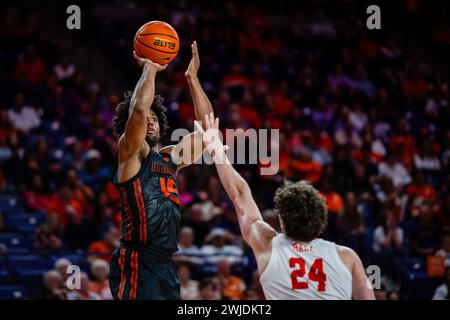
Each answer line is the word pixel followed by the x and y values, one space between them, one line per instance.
pixel 136 128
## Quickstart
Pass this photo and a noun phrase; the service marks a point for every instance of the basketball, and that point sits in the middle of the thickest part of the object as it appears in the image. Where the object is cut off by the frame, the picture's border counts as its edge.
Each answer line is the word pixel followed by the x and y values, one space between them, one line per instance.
pixel 157 41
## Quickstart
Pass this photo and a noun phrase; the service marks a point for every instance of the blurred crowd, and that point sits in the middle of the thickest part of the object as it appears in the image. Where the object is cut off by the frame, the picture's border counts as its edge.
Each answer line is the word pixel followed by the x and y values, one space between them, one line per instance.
pixel 363 115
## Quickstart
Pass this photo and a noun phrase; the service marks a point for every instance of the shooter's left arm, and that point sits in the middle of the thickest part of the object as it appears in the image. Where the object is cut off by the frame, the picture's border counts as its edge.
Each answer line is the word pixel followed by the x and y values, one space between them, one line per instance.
pixel 202 105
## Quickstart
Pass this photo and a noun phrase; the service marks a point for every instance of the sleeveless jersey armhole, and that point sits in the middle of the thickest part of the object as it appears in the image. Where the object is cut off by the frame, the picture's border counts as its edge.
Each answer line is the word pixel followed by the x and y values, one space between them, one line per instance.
pixel 341 262
pixel 274 244
pixel 137 175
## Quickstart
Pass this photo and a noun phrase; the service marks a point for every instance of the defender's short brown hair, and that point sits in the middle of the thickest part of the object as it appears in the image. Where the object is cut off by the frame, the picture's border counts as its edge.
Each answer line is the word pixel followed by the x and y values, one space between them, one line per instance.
pixel 302 210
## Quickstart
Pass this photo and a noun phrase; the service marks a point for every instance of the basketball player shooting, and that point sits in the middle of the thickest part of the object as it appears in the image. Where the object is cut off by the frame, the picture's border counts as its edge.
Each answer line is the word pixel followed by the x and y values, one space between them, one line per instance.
pixel 296 263
pixel 142 268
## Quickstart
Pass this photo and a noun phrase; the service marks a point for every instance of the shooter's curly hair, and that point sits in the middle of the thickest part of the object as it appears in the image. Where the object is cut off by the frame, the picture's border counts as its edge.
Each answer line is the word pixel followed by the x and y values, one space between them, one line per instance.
pixel 302 210
pixel 121 114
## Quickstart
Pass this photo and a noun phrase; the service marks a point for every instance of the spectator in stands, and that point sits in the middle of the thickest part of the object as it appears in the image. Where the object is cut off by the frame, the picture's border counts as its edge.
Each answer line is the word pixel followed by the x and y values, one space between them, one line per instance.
pixel 304 168
pixel 30 69
pixel 443 291
pixel 395 171
pixel 103 249
pixel 323 114
pixel 426 160
pixel 100 282
pixel 94 174
pixel 233 287
pixel 446 151
pixel 351 227
pixel 387 243
pixel 346 135
pixel 195 221
pixel 49 235
pixel 426 232
pixel 105 213
pixel 250 294
pixel 444 251
pixel 54 286
pixel 445 212
pixel 23 117
pixel 217 248
pixel 335 206
pixel 420 188
pixel 393 295
pixel 61 266
pixel 334 201
pixel 211 206
pixel 403 141
pixel 209 289
pixel 187 251
pixel 319 144
pixel 64 204
pixel 380 294
pixel 82 193
pixel 189 289
pixel 65 69
pixel 84 293
pixel 79 233
pixel 360 182
pixel 37 197
pixel 388 235
pixel 228 220
pixel 5 149
pixel 74 156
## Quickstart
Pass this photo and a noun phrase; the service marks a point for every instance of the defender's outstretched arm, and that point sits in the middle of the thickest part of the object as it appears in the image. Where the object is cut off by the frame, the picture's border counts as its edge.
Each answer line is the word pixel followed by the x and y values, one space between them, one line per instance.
pixel 254 230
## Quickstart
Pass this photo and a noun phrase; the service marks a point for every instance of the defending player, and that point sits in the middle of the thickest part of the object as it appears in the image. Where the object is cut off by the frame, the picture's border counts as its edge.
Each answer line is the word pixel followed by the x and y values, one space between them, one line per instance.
pixel 142 268
pixel 294 264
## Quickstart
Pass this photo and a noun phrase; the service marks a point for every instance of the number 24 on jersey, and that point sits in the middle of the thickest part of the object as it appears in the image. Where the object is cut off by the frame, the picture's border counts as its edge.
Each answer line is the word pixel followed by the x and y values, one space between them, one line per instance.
pixel 315 274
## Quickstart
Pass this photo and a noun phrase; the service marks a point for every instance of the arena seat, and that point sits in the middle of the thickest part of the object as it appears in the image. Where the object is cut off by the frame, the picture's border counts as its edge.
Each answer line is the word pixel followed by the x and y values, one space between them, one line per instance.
pixel 8 201
pixel 24 222
pixel 4 272
pixel 413 277
pixel 76 259
pixel 13 292
pixel 29 269
pixel 415 267
pixel 12 210
pixel 15 243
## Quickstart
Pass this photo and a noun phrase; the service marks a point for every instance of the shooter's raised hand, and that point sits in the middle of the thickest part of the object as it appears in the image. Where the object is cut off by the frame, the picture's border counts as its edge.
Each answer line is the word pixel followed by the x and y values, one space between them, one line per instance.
pixel 194 65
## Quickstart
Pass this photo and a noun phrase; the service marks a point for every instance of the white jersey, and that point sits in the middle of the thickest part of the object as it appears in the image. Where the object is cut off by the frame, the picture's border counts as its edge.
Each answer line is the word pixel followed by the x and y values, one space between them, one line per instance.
pixel 305 271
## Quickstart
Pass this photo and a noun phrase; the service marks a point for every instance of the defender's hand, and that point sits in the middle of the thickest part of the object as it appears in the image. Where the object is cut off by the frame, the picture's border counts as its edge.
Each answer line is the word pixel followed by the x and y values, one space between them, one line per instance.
pixel 142 62
pixel 211 137
pixel 194 65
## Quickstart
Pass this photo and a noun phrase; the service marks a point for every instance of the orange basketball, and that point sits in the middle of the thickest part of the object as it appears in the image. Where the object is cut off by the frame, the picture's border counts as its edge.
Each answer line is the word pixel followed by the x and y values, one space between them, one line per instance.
pixel 157 41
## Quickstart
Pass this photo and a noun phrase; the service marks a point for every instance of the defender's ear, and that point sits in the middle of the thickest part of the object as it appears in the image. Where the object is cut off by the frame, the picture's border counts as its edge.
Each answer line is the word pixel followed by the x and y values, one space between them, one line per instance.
pixel 281 222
